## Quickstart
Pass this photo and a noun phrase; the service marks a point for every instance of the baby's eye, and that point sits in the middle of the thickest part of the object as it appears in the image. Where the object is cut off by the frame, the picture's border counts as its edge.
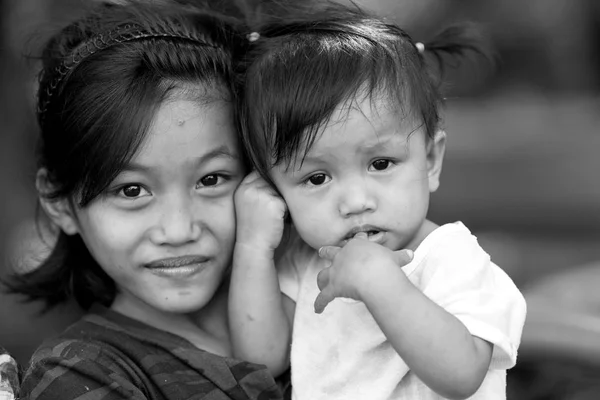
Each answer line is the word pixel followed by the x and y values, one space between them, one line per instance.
pixel 317 179
pixel 133 191
pixel 210 180
pixel 380 165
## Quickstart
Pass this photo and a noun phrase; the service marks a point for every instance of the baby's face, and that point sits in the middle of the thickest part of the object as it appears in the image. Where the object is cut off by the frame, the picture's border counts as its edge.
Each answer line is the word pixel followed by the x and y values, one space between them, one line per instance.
pixel 370 170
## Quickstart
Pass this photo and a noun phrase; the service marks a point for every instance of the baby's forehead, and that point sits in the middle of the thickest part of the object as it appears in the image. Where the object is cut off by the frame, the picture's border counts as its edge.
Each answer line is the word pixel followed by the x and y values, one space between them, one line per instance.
pixel 357 129
pixel 369 109
pixel 377 107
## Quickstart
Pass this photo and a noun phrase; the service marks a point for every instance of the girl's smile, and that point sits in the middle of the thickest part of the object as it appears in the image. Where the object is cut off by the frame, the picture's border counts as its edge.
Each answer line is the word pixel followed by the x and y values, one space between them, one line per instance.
pixel 165 229
pixel 178 267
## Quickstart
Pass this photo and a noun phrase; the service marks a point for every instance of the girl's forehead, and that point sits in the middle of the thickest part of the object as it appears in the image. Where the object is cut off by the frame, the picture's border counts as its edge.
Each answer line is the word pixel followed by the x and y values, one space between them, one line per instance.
pixel 189 126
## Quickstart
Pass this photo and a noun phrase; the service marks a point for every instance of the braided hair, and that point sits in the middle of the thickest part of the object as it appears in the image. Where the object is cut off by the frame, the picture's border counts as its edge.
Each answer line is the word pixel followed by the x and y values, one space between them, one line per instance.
pixel 102 80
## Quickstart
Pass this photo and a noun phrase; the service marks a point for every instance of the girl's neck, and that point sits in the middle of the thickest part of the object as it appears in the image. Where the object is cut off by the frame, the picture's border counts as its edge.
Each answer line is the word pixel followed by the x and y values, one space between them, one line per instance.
pixel 206 328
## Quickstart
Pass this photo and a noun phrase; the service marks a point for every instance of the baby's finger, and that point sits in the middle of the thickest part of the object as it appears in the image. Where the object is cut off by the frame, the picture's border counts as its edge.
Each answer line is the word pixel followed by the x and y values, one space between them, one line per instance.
pixel 251 177
pixel 323 278
pixel 361 235
pixel 329 252
pixel 322 300
pixel 403 257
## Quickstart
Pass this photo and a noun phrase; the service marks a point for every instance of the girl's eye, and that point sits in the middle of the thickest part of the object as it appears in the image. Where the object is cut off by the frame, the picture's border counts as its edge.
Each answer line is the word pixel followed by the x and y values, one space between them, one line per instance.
pixel 133 191
pixel 211 180
pixel 380 165
pixel 317 179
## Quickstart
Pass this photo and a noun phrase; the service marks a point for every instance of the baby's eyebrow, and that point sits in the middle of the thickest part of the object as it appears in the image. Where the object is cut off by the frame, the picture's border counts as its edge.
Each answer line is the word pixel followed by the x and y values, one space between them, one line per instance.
pixel 379 145
pixel 396 138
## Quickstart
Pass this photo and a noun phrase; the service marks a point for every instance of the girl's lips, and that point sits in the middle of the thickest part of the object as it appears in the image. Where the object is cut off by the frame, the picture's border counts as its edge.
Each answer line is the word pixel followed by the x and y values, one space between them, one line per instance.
pixel 182 272
pixel 176 262
pixel 178 267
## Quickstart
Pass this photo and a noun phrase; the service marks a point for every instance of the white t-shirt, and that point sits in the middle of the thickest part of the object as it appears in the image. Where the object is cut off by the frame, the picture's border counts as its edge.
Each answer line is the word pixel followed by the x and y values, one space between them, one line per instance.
pixel 342 354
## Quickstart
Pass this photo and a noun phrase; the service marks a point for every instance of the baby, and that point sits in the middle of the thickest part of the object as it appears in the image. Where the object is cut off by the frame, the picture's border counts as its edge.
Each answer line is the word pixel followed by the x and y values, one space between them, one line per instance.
pixel 340 115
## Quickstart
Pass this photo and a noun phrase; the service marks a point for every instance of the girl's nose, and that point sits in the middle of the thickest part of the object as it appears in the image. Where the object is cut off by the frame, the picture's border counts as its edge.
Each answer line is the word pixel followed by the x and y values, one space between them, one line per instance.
pixel 178 224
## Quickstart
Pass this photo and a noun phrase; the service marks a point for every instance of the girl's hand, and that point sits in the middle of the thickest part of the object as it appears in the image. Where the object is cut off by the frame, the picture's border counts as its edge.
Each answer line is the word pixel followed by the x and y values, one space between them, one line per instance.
pixel 354 268
pixel 260 213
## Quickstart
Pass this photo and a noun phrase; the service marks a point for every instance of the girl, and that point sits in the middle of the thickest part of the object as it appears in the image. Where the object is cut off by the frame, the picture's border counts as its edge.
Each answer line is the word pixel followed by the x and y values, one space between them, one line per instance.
pixel 340 114
pixel 138 164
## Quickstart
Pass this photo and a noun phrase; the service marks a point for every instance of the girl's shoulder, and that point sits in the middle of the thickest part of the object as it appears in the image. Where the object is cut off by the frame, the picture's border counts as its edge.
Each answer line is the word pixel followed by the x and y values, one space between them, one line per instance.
pixel 107 351
pixel 100 354
pixel 85 343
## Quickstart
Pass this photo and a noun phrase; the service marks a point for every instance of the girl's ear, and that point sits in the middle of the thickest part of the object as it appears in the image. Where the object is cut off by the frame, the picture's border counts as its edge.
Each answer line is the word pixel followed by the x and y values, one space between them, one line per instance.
pixel 435 157
pixel 60 210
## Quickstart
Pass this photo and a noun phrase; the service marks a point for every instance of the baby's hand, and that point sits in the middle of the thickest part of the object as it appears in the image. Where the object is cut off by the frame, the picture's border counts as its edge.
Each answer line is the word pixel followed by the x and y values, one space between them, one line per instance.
pixel 260 213
pixel 353 267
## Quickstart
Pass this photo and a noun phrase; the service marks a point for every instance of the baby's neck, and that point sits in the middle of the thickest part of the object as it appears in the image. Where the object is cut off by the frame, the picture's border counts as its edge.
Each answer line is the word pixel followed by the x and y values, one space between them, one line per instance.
pixel 426 228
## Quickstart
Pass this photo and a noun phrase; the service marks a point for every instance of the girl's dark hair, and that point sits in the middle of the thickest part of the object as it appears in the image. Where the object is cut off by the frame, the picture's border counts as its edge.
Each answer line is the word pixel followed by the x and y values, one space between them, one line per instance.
pixel 102 80
pixel 302 68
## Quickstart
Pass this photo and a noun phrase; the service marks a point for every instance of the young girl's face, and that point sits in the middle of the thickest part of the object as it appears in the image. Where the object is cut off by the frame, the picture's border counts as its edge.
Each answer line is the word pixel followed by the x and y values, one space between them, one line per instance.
pixel 370 170
pixel 165 228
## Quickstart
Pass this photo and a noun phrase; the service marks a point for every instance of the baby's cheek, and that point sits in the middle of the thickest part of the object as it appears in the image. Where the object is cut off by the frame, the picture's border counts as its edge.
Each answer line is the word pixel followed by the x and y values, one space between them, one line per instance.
pixel 315 232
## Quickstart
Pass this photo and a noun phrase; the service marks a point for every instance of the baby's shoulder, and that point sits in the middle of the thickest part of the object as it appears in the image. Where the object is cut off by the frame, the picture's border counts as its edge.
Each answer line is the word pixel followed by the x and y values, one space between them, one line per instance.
pixel 448 240
pixel 451 250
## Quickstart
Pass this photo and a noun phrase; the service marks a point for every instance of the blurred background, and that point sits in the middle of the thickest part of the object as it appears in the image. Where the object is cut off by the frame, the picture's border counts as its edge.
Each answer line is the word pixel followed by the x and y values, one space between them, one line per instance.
pixel 521 170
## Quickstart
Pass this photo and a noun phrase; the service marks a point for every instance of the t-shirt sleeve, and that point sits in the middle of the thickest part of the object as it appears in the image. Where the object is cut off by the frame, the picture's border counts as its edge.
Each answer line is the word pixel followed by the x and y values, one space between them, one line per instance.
pixel 292 262
pixel 68 374
pixel 460 277
pixel 289 281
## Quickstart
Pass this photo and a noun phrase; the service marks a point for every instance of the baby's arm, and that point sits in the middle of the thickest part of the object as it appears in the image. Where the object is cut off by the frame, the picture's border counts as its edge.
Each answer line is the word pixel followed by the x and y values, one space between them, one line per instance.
pixel 435 345
pixel 258 311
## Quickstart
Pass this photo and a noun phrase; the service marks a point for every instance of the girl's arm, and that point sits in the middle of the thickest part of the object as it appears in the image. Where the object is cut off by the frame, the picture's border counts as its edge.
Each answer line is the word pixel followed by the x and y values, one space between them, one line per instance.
pixel 258 311
pixel 435 345
pixel 259 317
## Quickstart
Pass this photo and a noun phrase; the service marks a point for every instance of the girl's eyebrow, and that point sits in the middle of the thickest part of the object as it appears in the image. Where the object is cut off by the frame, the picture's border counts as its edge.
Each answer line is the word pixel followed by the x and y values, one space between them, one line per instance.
pixel 222 151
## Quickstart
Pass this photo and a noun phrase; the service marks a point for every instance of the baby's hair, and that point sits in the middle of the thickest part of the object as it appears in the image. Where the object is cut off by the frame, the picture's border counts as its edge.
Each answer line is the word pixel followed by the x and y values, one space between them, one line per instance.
pixel 102 80
pixel 300 69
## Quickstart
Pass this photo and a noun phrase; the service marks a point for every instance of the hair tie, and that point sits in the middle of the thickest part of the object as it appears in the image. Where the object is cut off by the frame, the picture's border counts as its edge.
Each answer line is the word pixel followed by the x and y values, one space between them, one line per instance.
pixel 253 36
pixel 420 47
pixel 52 79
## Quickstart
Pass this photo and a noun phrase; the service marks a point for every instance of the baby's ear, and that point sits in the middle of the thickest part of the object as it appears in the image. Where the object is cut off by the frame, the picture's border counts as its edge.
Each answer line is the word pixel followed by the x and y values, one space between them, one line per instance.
pixel 60 210
pixel 436 147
